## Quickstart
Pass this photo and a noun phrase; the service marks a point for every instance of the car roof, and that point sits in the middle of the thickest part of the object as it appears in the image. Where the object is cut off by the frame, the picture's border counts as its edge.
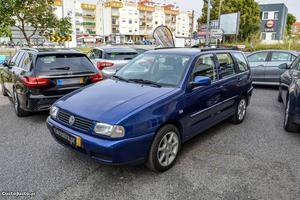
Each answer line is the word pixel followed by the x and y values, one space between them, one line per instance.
pixel 45 51
pixel 111 49
pixel 188 51
pixel 295 53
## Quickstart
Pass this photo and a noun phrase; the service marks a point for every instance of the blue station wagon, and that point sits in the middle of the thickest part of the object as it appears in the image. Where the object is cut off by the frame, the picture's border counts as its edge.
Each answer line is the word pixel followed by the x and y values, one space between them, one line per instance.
pixel 152 105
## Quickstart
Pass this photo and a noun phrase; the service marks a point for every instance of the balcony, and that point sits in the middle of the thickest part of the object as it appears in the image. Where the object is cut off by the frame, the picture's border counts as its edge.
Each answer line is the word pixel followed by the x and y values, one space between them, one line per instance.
pixel 88 23
pixel 88 16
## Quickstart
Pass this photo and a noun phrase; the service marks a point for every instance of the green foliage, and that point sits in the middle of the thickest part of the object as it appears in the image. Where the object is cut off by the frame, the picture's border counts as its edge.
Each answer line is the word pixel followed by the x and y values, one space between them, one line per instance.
pixel 38 14
pixel 291 19
pixel 249 10
pixel 214 12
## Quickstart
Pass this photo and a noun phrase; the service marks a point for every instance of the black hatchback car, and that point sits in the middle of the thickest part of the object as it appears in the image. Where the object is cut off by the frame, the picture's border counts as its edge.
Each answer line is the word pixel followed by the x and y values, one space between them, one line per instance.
pixel 36 78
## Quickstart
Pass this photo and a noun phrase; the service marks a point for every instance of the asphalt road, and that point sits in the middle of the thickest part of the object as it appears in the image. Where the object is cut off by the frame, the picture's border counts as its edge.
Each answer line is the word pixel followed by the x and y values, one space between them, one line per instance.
pixel 254 160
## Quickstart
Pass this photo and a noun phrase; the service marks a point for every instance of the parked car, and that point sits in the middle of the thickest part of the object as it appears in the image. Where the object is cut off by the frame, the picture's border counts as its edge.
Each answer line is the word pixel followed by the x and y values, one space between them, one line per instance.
pixel 266 65
pixel 109 59
pixel 35 78
pixel 141 50
pixel 129 42
pixel 152 105
pixel 289 94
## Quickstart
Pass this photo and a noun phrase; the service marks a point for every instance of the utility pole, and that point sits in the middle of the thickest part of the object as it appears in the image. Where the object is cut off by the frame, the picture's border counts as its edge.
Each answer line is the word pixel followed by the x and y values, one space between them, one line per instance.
pixel 192 29
pixel 219 18
pixel 207 24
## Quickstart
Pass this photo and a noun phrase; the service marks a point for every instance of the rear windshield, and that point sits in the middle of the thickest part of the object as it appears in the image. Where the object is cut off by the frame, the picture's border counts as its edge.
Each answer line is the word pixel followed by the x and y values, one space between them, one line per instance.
pixel 63 63
pixel 120 56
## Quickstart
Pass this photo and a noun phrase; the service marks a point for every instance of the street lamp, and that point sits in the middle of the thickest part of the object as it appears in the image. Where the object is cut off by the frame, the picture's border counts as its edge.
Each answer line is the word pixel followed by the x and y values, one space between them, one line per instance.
pixel 219 18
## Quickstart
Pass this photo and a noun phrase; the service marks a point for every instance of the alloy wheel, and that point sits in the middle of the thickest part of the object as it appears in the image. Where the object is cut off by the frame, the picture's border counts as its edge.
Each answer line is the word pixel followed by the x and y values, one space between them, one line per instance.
pixel 287 110
pixel 168 149
pixel 242 109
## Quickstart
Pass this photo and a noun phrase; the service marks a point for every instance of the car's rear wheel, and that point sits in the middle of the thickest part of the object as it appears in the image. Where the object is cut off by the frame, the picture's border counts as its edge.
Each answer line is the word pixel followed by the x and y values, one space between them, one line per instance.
pixel 4 93
pixel 240 111
pixel 164 149
pixel 19 111
pixel 289 125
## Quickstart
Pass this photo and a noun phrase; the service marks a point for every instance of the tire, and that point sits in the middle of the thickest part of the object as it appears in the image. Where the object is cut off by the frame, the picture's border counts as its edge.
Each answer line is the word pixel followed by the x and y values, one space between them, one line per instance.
pixel 18 110
pixel 163 153
pixel 4 93
pixel 279 97
pixel 289 125
pixel 240 111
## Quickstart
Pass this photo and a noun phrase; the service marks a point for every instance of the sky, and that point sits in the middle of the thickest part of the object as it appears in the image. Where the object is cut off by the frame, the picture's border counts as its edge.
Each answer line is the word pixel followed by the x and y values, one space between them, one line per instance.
pixel 188 5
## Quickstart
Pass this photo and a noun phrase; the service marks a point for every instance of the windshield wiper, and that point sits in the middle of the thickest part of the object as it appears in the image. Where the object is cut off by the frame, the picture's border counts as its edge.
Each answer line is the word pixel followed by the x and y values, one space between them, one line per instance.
pixel 60 68
pixel 120 78
pixel 146 82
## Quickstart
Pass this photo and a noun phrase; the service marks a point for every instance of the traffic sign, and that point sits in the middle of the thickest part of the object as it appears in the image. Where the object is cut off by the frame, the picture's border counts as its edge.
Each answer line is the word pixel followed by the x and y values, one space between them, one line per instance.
pixel 60 38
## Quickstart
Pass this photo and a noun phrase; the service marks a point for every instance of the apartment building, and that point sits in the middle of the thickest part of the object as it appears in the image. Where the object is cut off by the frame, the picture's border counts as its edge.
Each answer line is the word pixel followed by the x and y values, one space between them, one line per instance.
pixel 85 19
pixel 128 20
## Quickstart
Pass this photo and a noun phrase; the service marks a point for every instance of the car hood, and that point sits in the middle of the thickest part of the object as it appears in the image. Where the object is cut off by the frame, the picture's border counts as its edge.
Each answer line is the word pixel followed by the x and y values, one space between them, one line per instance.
pixel 110 101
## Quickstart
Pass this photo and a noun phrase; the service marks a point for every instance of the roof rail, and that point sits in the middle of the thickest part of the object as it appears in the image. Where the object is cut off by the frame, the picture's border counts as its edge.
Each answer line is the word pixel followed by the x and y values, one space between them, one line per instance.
pixel 30 49
pixel 219 49
pixel 158 48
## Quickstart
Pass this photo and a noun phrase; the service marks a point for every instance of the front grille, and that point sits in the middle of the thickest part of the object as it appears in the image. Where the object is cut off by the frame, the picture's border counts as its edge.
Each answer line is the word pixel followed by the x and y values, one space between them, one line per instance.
pixel 80 123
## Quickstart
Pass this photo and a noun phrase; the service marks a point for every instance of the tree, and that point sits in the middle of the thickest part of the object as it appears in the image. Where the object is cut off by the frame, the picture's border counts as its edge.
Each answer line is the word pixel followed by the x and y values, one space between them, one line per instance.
pixel 37 14
pixel 291 19
pixel 214 13
pixel 249 10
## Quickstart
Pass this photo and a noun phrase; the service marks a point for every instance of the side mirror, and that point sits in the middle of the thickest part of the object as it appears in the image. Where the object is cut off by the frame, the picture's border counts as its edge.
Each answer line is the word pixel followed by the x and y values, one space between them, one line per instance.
pixel 6 64
pixel 283 66
pixel 200 81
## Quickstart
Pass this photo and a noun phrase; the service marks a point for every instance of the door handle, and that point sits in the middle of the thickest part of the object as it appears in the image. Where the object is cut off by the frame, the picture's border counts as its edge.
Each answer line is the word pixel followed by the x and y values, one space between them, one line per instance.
pixel 219 87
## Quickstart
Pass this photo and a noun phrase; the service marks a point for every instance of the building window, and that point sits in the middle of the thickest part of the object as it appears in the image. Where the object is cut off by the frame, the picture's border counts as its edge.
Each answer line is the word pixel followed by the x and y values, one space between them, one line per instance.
pixel 276 15
pixel 130 21
pixel 273 36
pixel 265 15
pixel 263 36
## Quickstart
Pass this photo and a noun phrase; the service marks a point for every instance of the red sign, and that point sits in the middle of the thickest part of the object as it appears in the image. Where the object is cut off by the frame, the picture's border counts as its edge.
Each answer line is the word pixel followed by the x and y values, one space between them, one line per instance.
pixel 270 24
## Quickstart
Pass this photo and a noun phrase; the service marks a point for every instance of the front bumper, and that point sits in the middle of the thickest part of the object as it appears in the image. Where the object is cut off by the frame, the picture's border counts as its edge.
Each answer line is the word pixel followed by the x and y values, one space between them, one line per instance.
pixel 112 152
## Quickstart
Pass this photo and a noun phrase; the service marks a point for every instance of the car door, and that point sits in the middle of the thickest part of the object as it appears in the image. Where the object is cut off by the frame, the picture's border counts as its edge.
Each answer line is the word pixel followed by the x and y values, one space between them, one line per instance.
pixel 10 75
pixel 257 62
pixel 201 104
pixel 272 69
pixel 229 80
pixel 21 71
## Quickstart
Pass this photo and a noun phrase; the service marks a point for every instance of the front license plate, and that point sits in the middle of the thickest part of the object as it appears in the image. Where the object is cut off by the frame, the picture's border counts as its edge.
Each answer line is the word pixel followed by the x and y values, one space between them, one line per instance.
pixel 70 139
pixel 69 81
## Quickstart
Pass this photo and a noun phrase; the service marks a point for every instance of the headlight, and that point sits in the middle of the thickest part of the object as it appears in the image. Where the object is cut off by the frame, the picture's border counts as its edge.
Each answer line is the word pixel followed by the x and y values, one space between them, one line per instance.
pixel 112 131
pixel 53 112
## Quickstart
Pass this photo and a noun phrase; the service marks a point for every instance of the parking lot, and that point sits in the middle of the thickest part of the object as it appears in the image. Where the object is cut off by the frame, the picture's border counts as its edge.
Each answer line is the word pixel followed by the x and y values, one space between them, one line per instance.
pixel 255 160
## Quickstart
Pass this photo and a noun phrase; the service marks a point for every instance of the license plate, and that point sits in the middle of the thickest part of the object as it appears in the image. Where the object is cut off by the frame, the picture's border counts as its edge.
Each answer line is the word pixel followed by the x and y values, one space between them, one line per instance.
pixel 69 81
pixel 70 139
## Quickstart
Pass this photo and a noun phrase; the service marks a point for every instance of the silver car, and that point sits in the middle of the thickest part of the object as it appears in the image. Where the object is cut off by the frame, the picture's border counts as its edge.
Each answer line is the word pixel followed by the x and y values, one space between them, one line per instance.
pixel 267 66
pixel 109 59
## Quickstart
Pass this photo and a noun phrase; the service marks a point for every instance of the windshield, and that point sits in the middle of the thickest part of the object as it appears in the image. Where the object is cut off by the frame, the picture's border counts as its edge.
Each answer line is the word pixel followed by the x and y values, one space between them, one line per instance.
pixel 165 70
pixel 61 63
pixel 120 56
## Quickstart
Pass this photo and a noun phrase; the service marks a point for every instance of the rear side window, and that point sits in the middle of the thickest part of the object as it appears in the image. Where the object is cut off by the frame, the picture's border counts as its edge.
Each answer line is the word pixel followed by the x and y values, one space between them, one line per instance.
pixel 120 56
pixel 226 65
pixel 280 56
pixel 258 57
pixel 241 62
pixel 205 66
pixel 27 61
pixel 63 63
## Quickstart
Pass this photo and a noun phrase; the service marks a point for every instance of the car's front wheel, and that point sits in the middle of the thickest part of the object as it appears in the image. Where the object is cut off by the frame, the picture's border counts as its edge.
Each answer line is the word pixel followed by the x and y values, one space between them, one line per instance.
pixel 289 125
pixel 164 149
pixel 240 111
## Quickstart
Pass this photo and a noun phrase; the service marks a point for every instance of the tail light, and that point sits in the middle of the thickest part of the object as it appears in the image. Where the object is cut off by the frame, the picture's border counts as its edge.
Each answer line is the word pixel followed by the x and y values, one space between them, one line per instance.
pixel 96 77
pixel 102 65
pixel 35 81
